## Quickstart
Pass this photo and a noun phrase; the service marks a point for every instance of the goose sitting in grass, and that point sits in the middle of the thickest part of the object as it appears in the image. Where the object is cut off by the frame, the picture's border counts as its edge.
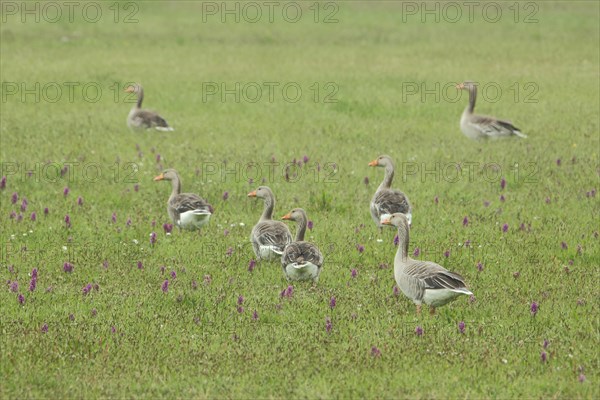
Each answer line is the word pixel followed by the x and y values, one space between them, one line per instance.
pixel 386 200
pixel 481 126
pixel 301 260
pixel 268 237
pixel 139 119
pixel 422 281
pixel 186 210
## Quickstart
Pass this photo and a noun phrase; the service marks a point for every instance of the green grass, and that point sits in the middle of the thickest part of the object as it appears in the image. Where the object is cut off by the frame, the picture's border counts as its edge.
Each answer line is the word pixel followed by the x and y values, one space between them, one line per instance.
pixel 193 342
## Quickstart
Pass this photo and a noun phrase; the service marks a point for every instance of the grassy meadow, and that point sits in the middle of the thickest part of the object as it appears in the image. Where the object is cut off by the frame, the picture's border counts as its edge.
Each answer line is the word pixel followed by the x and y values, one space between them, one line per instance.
pixel 519 219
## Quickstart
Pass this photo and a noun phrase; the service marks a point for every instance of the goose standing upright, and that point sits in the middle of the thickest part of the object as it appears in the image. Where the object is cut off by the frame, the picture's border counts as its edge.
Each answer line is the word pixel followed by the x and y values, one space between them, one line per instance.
pixel 144 119
pixel 386 200
pixel 422 281
pixel 186 210
pixel 476 126
pixel 268 237
pixel 301 261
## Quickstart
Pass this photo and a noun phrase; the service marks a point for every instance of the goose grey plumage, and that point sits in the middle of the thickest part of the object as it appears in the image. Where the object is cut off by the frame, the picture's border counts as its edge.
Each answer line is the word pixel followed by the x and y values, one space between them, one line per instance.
pixel 186 210
pixel 386 200
pixel 476 126
pixel 423 281
pixel 301 261
pixel 268 237
pixel 144 119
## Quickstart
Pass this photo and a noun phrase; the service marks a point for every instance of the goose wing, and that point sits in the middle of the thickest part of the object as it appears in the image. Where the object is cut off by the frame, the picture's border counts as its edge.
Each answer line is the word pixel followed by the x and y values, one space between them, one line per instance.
pixel 390 201
pixel 190 202
pixel 434 276
pixel 494 127
pixel 302 252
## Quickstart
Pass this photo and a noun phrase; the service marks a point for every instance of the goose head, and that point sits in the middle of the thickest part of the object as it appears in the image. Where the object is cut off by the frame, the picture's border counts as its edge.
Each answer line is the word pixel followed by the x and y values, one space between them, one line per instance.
pixel 297 214
pixel 382 161
pixel 397 219
pixel 466 85
pixel 167 175
pixel 263 192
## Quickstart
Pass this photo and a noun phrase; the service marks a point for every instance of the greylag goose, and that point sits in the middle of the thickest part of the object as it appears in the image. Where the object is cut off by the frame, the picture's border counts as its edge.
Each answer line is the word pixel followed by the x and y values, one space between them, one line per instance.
pixel 187 210
pixel 386 200
pixel 144 119
pixel 301 260
pixel 422 281
pixel 482 126
pixel 268 237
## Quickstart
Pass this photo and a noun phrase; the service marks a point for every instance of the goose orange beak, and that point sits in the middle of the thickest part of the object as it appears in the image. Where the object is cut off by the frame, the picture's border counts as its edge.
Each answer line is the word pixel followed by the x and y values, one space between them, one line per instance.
pixel 373 163
pixel 386 222
pixel 287 216
pixel 460 86
pixel 130 89
pixel 252 194
pixel 159 177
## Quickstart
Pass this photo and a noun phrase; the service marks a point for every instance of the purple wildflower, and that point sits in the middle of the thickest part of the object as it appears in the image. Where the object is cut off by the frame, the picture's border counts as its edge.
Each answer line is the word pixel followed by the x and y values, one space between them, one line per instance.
pixel 173 274
pixel 158 158
pixel 419 331
pixel 564 245
pixel 80 201
pixel 225 232
pixel 546 343
pixel 44 328
pixel 128 222
pixel 467 243
pixel 229 252
pixel 328 325
pixel 581 378
pixel 20 217
pixel 543 356
pixel 396 240
pixel 240 309
pixel 113 329
pixel 505 228
pixel 396 291
pixel 168 228
pixel 360 248
pixel 140 265
pixel 13 215
pixel 165 286
pixel 461 327
pixel 436 200
pixel 14 198
pixel 207 279
pixel 68 267
pixel 32 284
pixel 66 191
pixel 579 249
pixel 255 316
pixel 472 299
pixel 502 183
pixel 152 238
pixel 136 187
pixel 502 198
pixel 305 159
pixel 14 286
pixel 466 221
pixel 67 221
pixel 105 264
pixel 225 196
pixel 24 204
pixel 366 180
pixel 94 312
pixel 21 299
pixel 416 252
pixel 289 292
pixel 86 289
pixel 547 200
pixel 309 225
pixel 251 265
pixel 113 218
pixel 486 203
pixel 447 253
pixel 479 266
pixel 240 300
pixel 3 183
pixel 33 216
pixel 71 317
pixel 353 273
pixel 332 302
pixel 375 352
pixel 46 211
pixel 534 308
pixel 558 162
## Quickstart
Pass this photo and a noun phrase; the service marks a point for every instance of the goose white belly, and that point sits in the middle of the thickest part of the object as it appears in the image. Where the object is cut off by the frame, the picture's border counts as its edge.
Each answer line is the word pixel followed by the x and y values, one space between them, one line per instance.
pixel 301 272
pixel 193 219
pixel 439 297
pixel 269 252
pixel 469 129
